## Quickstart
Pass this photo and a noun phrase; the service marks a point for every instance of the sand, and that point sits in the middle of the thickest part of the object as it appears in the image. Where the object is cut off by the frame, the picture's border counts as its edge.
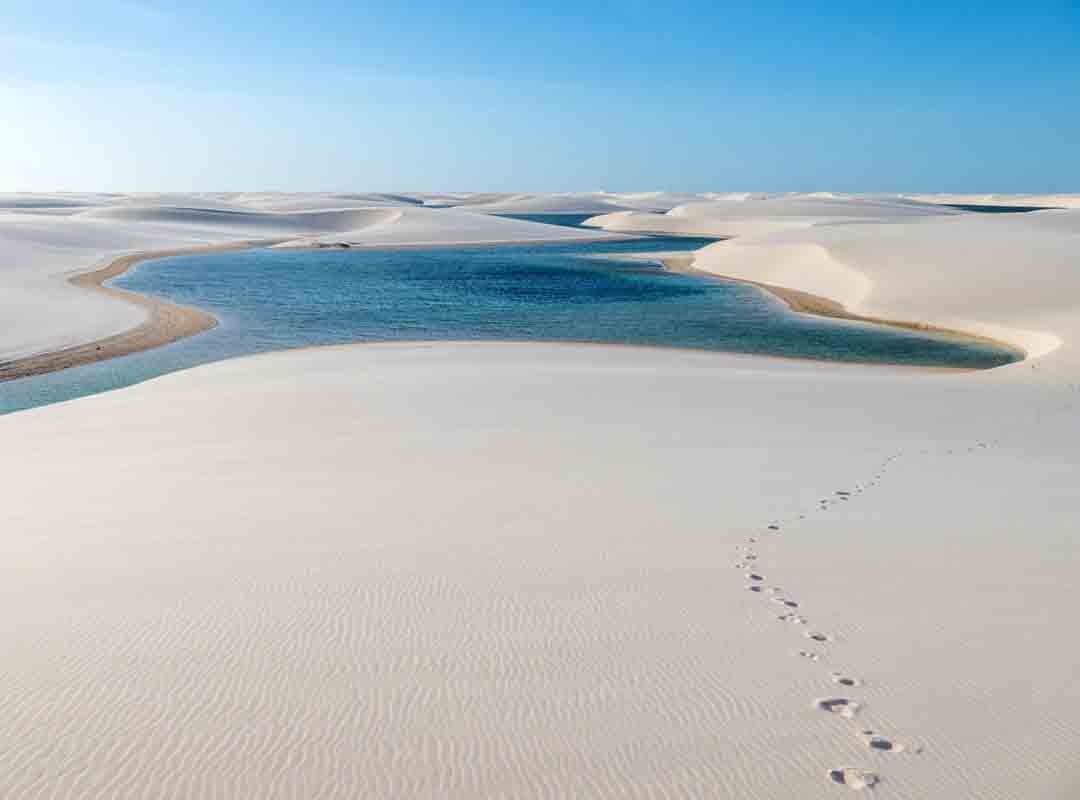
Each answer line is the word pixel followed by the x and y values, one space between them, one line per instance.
pixel 754 215
pixel 802 302
pixel 1018 200
pixel 165 322
pixel 523 570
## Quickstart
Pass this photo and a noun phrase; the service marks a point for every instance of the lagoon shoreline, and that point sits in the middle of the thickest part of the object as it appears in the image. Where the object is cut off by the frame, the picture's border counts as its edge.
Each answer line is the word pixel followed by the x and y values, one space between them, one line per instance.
pixel 801 302
pixel 165 322
pixel 168 322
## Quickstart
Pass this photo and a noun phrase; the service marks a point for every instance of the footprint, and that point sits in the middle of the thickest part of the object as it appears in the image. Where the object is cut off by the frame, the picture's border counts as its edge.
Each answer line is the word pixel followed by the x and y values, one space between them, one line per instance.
pixel 753 588
pixel 753 576
pixel 785 602
pixel 843 680
pixel 838 705
pixel 818 637
pixel 774 527
pixel 794 619
pixel 854 778
pixel 881 744
pixel 810 655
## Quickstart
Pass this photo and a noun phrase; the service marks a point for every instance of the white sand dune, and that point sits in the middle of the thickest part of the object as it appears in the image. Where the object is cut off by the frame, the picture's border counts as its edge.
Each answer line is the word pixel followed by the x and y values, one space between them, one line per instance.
pixel 34 201
pixel 310 202
pixel 421 226
pixel 506 570
pixel 818 205
pixel 656 201
pixel 582 203
pixel 1035 200
pixel 245 223
pixel 965 269
pixel 575 203
pixel 743 215
pixel 464 199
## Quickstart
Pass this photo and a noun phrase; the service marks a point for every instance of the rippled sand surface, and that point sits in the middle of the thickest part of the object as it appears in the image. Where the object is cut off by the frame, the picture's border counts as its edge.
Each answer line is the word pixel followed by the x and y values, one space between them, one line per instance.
pixel 523 570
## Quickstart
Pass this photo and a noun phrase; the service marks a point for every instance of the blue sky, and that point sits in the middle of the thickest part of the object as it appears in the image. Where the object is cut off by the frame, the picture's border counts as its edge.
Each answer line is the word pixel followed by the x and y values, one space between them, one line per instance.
pixel 126 95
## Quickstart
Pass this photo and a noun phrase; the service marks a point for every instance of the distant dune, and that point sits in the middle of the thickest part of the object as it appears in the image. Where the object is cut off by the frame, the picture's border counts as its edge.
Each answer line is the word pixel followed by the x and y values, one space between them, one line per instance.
pixel 231 219
pixel 593 203
pixel 1035 200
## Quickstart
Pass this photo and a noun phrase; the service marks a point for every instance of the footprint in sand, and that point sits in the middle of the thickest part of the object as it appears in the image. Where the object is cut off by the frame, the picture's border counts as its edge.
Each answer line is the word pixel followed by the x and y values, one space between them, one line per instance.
pixel 774 527
pixel 880 743
pixel 838 705
pixel 753 576
pixel 783 601
pixel 794 619
pixel 753 587
pixel 810 655
pixel 854 778
pixel 818 637
pixel 841 679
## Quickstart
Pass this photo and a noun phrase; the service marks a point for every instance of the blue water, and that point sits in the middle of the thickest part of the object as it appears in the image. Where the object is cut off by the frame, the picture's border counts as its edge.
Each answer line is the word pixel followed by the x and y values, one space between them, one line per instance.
pixel 275 299
pixel 565 220
pixel 996 209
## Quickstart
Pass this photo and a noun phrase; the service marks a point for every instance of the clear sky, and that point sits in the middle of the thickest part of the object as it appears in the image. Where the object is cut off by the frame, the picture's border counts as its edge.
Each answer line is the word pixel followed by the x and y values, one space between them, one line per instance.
pixel 126 95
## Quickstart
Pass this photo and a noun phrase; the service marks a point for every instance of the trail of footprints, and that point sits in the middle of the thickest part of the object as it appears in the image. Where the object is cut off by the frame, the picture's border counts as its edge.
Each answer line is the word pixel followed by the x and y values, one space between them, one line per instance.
pixel 789 611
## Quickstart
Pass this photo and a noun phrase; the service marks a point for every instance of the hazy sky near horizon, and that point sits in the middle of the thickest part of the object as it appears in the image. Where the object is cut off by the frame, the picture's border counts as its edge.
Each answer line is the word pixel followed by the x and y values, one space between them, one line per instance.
pixel 139 95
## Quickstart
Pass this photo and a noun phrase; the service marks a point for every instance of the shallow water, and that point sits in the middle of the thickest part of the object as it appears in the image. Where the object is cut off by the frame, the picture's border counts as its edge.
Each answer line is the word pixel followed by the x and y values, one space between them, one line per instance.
pixel 276 299
pixel 996 209
pixel 565 220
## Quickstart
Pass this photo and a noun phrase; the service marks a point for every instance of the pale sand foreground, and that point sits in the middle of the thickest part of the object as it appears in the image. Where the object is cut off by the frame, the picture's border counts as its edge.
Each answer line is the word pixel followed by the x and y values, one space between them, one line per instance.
pixel 521 570
pixel 485 570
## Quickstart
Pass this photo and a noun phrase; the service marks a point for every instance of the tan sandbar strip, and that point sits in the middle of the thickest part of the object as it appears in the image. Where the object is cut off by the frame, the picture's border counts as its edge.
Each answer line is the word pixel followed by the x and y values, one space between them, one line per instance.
pixel 165 322
pixel 806 303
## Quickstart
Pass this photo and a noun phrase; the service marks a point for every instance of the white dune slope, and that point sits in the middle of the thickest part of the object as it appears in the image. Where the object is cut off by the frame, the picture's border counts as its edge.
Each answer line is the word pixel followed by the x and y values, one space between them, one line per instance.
pixel 496 570
pixel 996 275
pixel 1031 200
pixel 582 203
pixel 742 215
pixel 420 226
